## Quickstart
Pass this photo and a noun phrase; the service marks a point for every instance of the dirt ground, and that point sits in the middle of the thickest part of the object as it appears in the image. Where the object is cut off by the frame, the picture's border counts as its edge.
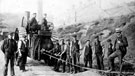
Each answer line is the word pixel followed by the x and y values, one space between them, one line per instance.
pixel 36 68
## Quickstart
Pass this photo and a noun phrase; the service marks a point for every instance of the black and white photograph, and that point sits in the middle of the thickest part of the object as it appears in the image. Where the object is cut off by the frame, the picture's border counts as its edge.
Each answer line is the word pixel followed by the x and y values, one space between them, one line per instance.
pixel 67 37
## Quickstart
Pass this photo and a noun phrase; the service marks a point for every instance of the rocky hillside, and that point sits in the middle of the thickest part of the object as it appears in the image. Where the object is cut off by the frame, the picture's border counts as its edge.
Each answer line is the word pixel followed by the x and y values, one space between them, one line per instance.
pixel 105 28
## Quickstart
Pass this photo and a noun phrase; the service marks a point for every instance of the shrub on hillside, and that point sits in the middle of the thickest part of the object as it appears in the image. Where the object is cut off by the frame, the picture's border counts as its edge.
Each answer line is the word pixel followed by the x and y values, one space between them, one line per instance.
pixel 60 30
pixel 71 29
pixel 130 33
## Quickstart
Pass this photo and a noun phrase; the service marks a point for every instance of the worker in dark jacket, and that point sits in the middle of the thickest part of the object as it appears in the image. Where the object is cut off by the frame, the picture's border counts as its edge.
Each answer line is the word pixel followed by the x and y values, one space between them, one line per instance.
pixel 9 47
pixel 33 23
pixel 77 46
pixel 33 30
pixel 63 55
pixel 16 37
pixel 98 53
pixel 73 56
pixel 88 54
pixel 120 47
pixel 76 58
pixel 45 20
pixel 57 52
pixel 23 52
pixel 44 25
pixel 68 53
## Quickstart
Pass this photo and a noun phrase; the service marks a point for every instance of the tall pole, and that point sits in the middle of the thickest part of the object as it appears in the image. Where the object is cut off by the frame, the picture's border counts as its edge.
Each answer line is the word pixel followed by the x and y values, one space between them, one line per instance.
pixel 40 10
pixel 99 4
pixel 75 13
pixel 27 15
pixel 75 16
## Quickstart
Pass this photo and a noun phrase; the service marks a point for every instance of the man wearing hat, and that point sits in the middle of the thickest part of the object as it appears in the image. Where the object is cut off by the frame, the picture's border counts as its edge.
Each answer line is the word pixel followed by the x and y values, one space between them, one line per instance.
pixel 98 53
pixel 120 47
pixel 63 54
pixel 88 54
pixel 44 25
pixel 45 21
pixel 56 52
pixel 33 23
pixel 66 54
pixel 9 48
pixel 77 51
pixel 23 52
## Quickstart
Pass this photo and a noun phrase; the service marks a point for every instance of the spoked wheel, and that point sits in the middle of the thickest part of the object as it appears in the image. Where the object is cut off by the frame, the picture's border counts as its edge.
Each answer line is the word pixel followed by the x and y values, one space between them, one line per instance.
pixel 45 57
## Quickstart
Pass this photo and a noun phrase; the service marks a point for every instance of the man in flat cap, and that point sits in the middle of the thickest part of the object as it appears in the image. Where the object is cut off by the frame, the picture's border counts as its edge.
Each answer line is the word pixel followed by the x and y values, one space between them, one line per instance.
pixel 77 51
pixel 9 48
pixel 88 54
pixel 23 52
pixel 98 53
pixel 56 52
pixel 120 47
pixel 63 54
pixel 45 20
pixel 44 25
pixel 68 52
pixel 66 55
pixel 33 23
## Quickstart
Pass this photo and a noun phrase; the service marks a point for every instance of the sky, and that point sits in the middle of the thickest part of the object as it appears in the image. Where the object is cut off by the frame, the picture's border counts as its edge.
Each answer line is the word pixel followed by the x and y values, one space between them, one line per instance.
pixel 58 10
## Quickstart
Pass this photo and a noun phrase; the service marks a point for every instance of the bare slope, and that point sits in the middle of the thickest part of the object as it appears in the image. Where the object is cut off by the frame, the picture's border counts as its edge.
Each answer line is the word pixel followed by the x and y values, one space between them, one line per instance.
pixel 105 28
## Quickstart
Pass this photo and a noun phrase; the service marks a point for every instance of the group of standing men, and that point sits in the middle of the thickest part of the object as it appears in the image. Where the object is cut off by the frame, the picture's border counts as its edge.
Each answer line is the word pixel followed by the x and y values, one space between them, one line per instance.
pixel 69 53
pixel 32 25
pixel 15 51
pixel 15 48
pixel 118 49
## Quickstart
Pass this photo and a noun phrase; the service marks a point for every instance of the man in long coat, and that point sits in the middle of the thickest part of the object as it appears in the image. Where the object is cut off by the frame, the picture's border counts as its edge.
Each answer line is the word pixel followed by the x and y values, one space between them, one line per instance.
pixel 88 54
pixel 98 53
pixel 33 23
pixel 9 48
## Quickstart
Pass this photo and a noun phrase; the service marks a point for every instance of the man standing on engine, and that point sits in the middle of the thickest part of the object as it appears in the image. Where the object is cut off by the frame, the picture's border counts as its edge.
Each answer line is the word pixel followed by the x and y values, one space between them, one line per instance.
pixel 44 25
pixel 33 23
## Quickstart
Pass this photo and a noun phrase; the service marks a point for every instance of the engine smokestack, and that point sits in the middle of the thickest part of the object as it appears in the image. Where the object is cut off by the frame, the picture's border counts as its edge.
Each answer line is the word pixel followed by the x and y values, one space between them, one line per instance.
pixel 27 13
pixel 25 19
pixel 40 10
